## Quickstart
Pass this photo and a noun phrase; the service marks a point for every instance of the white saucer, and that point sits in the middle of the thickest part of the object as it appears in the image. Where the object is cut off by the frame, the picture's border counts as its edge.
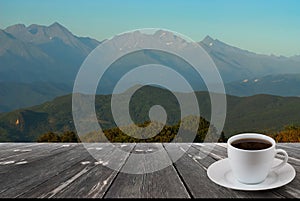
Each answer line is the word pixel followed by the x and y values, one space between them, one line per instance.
pixel 220 173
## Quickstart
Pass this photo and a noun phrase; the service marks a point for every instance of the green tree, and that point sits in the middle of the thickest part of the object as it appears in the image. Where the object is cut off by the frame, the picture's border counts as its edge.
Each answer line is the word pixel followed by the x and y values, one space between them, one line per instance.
pixel 290 133
pixel 49 137
pixel 69 136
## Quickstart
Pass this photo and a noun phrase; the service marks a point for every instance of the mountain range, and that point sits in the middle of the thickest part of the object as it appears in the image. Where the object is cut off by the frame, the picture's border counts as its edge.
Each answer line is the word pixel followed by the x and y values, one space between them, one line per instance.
pixel 39 53
pixel 39 63
pixel 236 64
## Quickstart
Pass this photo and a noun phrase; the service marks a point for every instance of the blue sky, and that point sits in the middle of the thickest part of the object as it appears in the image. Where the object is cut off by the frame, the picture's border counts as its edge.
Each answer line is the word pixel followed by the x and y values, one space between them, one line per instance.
pixel 262 26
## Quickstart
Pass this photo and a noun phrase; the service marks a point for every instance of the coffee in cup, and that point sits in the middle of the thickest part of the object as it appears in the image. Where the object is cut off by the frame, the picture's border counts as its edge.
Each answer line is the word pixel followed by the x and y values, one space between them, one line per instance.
pixel 251 156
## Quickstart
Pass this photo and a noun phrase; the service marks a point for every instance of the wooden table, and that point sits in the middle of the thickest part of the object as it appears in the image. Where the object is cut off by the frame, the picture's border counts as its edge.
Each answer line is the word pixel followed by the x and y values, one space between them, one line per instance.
pixel 68 171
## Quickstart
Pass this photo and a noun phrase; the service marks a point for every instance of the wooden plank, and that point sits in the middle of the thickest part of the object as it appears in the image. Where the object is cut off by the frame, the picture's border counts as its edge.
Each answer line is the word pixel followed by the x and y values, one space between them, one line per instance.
pixel 28 155
pixel 20 156
pixel 127 185
pixel 164 183
pixel 53 185
pixel 193 175
pixel 18 149
pixel 290 190
pixel 293 152
pixel 68 170
pixel 193 172
pixel 37 152
pixel 218 151
pixel 290 145
pixel 95 182
pixel 13 145
pixel 8 145
pixel 31 174
pixel 159 184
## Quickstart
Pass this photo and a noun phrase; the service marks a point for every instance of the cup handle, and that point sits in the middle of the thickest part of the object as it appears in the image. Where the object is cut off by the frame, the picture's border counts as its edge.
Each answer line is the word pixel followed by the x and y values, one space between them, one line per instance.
pixel 286 157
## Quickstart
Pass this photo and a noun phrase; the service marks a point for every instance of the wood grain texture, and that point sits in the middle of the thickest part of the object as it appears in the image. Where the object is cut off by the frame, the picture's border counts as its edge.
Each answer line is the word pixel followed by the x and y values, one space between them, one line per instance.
pixel 58 170
pixel 160 184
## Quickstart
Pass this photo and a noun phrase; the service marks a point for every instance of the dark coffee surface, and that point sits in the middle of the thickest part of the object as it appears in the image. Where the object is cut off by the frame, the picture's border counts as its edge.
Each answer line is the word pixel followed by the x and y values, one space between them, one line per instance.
pixel 251 144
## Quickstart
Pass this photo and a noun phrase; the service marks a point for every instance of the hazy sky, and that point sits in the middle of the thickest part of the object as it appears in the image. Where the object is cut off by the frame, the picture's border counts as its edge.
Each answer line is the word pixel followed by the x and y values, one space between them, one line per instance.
pixel 262 26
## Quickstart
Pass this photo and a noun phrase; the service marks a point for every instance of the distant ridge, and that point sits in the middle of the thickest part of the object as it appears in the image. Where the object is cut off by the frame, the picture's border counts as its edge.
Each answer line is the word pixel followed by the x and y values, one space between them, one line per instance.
pixel 258 113
pixel 41 53
pixel 52 54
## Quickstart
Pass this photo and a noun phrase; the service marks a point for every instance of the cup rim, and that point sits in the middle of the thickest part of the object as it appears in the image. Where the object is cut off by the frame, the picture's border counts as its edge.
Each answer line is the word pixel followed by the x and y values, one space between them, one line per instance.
pixel 243 135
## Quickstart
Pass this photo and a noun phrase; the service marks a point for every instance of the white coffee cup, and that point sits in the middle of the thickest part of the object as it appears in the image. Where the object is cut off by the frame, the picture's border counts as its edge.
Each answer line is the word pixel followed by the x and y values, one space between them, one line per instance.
pixel 253 166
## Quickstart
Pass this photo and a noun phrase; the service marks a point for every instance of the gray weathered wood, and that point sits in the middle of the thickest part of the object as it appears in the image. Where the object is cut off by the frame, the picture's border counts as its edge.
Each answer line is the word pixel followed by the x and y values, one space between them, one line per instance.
pixel 95 183
pixel 161 184
pixel 37 170
pixel 65 179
